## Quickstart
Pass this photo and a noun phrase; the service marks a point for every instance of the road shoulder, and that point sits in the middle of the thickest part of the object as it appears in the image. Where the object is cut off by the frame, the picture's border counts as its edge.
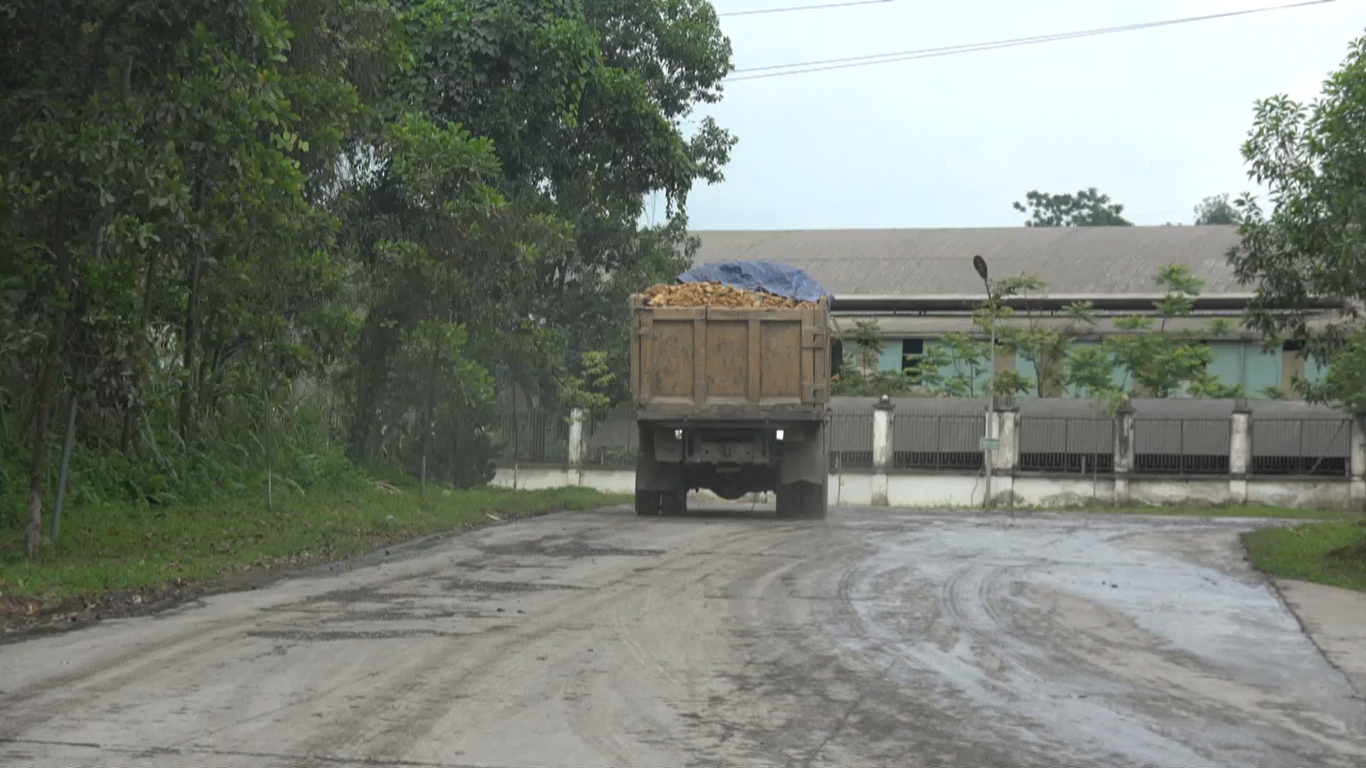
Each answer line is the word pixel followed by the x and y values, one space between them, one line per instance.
pixel 1335 620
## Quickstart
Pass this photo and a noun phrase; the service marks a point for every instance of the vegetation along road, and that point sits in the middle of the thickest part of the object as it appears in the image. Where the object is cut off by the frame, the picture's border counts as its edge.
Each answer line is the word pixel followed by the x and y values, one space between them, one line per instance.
pixel 724 638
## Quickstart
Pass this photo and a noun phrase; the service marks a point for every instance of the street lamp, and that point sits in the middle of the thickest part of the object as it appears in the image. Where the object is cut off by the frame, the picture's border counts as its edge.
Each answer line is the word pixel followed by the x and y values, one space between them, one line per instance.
pixel 980 264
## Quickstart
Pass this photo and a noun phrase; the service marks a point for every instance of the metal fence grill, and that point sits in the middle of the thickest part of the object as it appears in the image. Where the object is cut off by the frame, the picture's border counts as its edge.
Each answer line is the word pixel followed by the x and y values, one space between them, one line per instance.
pixel 850 441
pixel 538 436
pixel 1081 444
pixel 1286 445
pixel 938 440
pixel 612 438
pixel 1181 446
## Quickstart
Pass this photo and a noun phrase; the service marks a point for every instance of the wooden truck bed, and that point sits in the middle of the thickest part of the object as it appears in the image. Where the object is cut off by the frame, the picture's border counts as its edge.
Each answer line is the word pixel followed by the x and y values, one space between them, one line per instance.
pixel 715 363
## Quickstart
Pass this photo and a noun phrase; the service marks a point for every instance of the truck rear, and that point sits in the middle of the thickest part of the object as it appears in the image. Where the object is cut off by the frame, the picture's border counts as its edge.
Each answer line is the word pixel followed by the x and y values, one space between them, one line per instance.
pixel 732 401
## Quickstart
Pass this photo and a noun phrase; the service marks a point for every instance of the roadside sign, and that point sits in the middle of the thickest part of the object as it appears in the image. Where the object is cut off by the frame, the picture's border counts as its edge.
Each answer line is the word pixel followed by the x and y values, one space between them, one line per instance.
pixel 989 443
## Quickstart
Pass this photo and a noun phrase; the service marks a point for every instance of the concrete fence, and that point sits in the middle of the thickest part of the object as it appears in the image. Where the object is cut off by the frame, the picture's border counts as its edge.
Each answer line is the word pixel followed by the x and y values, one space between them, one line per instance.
pixel 917 452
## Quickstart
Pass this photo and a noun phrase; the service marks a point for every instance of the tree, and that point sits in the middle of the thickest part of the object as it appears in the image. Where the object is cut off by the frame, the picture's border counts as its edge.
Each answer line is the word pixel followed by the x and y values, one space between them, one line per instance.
pixel 960 365
pixel 153 186
pixel 1086 208
pixel 209 210
pixel 1217 210
pixel 1046 348
pixel 860 370
pixel 1312 241
pixel 1153 360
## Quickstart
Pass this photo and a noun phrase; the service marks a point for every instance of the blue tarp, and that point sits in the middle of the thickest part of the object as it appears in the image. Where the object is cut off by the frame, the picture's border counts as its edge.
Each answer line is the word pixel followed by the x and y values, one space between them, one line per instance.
pixel 777 279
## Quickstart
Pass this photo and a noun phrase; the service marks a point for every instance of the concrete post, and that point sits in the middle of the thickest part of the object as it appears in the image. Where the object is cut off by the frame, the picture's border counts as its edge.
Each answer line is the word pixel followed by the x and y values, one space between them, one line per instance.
pixel 576 446
pixel 1358 489
pixel 1239 451
pixel 883 449
pixel 1006 458
pixel 1124 451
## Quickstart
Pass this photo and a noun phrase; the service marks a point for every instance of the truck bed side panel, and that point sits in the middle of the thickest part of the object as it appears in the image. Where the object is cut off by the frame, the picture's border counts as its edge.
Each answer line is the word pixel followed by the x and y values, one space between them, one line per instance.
pixel 705 360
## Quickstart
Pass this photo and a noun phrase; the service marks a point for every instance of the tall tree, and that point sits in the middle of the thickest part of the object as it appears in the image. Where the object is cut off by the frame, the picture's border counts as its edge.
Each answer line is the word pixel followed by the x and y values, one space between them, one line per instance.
pixel 1086 208
pixel 1312 241
pixel 1217 209
pixel 153 198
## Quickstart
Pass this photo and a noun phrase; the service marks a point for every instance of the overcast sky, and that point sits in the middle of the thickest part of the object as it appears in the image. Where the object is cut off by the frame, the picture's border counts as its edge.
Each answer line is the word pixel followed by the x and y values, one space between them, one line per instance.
pixel 1153 118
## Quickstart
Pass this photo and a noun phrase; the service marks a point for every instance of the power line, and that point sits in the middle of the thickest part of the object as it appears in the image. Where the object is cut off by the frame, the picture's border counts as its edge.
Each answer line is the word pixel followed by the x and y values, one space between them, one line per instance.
pixel 790 9
pixel 823 65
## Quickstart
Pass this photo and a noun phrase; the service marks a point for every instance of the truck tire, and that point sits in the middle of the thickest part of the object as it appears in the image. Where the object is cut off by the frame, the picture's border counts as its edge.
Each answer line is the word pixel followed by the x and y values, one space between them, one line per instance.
pixel 817 500
pixel 647 502
pixel 789 501
pixel 675 503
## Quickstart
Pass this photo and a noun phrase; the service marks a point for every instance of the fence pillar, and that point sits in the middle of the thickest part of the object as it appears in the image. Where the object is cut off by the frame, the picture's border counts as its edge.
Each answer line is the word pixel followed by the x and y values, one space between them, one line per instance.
pixel 883 450
pixel 1358 463
pixel 1005 459
pixel 576 446
pixel 1239 451
pixel 1124 451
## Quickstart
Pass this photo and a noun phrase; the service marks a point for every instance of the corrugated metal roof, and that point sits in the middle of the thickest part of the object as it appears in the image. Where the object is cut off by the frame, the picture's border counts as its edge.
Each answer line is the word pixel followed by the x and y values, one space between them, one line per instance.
pixel 1083 260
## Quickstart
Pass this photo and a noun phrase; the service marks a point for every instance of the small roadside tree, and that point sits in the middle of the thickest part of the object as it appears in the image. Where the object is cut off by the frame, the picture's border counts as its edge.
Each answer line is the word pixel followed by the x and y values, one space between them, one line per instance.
pixel 1155 360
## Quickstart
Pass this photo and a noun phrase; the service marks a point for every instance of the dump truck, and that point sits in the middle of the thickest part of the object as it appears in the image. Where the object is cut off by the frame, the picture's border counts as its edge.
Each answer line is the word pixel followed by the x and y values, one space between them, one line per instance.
pixel 733 401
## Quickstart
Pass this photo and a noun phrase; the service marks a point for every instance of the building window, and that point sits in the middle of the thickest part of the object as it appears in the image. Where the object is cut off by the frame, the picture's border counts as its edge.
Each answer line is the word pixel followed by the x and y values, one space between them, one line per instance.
pixel 911 350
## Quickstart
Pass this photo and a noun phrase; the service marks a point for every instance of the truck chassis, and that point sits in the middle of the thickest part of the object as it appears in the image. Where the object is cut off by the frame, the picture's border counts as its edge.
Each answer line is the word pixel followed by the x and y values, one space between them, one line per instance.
pixel 731 460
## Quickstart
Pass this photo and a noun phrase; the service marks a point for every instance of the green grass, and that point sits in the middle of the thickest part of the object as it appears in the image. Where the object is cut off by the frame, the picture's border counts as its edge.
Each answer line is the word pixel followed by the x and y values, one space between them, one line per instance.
pixel 1325 553
pixel 1251 511
pixel 105 548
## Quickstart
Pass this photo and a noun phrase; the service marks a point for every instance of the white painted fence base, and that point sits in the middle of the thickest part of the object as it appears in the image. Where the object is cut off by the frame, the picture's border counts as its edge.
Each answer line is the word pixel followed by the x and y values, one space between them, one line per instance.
pixel 865 489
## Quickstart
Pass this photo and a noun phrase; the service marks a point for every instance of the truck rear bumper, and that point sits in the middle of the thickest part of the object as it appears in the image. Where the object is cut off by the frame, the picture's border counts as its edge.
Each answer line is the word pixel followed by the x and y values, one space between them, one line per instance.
pixel 665 417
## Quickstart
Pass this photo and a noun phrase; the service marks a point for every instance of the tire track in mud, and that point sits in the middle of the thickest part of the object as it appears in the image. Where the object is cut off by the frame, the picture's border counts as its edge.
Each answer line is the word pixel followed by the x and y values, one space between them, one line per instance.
pixel 1073 682
pixel 60 694
pixel 677 649
pixel 418 703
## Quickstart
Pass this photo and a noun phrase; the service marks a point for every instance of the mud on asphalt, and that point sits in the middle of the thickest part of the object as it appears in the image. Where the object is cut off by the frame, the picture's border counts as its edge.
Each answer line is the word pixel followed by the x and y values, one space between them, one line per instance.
pixel 23 618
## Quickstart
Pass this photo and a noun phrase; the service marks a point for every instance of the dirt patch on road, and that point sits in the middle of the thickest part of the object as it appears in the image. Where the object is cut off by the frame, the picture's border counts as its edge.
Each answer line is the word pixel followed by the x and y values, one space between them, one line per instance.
pixel 22 618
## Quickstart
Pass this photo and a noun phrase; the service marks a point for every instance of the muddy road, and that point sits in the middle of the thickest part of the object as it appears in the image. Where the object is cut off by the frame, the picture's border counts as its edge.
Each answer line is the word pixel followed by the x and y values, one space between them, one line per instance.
pixel 875 638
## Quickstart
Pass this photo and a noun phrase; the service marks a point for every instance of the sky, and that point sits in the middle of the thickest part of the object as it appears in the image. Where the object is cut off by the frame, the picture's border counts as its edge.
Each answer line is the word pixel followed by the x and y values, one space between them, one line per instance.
pixel 1153 118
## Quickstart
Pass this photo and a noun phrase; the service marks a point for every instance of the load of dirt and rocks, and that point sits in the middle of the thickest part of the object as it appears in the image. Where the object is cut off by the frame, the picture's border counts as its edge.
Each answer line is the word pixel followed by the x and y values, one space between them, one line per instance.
pixel 716 295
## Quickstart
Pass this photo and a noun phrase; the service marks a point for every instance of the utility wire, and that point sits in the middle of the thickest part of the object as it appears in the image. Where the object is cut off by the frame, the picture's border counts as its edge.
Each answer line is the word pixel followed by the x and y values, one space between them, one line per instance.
pixel 791 9
pixel 803 67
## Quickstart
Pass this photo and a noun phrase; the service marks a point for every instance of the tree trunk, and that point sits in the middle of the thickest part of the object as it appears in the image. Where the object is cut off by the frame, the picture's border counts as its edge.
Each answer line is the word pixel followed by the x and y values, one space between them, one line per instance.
pixel 41 419
pixel 191 339
pixel 270 478
pixel 43 416
pixel 130 414
pixel 427 420
pixel 66 463
pixel 372 363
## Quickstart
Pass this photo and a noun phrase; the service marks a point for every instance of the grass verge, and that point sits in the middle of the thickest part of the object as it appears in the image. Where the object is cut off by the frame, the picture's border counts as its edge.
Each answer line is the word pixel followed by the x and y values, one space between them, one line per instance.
pixel 105 549
pixel 1332 553
pixel 1249 511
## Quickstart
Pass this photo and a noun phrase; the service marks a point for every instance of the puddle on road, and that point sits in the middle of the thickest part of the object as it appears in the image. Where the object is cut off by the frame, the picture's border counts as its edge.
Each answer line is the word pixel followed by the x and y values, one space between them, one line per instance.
pixel 476 585
pixel 572 549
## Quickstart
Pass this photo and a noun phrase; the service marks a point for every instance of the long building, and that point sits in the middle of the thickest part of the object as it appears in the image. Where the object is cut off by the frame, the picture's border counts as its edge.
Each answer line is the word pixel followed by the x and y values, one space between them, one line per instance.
pixel 919 284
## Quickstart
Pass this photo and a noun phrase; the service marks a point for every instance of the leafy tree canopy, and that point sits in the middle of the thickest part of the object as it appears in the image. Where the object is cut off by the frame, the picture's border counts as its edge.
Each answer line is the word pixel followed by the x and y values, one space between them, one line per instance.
pixel 1086 208
pixel 1310 238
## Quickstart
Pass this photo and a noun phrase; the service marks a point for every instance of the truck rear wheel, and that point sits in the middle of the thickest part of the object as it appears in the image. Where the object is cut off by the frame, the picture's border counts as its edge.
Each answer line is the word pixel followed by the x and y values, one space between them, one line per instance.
pixel 789 498
pixel 675 503
pixel 799 500
pixel 817 500
pixel 648 502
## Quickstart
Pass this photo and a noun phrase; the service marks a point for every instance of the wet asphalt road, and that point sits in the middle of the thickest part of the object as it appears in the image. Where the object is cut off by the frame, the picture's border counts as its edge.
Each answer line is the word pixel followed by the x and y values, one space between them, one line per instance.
pixel 875 638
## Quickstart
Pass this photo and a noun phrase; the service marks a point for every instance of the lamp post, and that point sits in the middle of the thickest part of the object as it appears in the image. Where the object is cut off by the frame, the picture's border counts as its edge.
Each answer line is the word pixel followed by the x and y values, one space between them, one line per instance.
pixel 980 264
